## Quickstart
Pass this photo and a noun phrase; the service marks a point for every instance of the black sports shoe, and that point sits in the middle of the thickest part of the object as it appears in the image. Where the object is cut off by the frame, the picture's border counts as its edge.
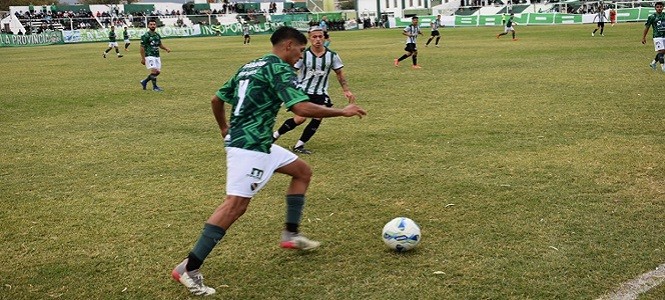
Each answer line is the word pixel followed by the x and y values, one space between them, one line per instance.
pixel 301 150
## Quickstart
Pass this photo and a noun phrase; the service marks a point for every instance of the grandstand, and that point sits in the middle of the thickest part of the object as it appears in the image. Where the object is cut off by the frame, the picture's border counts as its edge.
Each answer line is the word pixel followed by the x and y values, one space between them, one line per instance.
pixel 99 16
pixel 94 16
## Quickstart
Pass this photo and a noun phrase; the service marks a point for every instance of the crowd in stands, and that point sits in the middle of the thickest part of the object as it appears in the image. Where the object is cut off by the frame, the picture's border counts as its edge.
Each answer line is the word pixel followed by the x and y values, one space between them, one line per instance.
pixel 333 25
pixel 590 8
pixel 581 7
pixel 38 21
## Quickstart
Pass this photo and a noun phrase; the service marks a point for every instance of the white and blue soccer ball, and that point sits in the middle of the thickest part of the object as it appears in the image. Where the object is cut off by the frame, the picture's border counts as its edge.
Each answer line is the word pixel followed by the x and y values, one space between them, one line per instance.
pixel 401 234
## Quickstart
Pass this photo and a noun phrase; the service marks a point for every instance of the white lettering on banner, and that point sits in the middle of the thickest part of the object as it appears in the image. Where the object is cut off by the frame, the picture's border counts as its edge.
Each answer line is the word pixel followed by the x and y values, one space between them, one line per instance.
pixel 32 39
pixel 175 31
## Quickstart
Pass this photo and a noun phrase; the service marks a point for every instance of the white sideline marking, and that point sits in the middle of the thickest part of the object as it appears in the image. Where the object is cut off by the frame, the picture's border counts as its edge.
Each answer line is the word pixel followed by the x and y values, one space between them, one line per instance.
pixel 631 289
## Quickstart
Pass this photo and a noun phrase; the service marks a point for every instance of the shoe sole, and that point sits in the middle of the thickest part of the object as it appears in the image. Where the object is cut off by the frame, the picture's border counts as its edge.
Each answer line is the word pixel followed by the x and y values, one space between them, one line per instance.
pixel 295 246
pixel 307 152
pixel 175 275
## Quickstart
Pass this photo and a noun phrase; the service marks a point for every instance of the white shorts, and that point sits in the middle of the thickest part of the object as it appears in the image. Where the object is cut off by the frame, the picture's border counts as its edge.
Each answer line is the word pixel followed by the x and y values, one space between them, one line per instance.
pixel 247 171
pixel 506 29
pixel 127 41
pixel 152 62
pixel 113 44
pixel 659 43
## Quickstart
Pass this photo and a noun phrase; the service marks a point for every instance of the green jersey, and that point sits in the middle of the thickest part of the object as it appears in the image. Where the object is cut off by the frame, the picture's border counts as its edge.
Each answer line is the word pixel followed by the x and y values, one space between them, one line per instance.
pixel 657 22
pixel 256 92
pixel 125 34
pixel 151 41
pixel 509 23
pixel 112 36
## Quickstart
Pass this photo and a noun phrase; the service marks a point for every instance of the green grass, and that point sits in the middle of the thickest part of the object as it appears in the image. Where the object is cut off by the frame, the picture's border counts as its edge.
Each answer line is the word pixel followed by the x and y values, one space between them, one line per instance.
pixel 551 149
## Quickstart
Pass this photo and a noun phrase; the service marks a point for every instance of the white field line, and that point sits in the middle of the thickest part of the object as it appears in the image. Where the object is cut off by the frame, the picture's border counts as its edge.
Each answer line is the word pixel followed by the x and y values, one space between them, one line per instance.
pixel 631 289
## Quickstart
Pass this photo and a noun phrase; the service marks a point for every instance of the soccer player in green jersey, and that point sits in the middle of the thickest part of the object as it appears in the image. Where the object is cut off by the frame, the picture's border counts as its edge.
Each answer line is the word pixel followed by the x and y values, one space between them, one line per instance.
pixel 255 94
pixel 125 36
pixel 657 21
pixel 508 27
pixel 151 42
pixel 112 43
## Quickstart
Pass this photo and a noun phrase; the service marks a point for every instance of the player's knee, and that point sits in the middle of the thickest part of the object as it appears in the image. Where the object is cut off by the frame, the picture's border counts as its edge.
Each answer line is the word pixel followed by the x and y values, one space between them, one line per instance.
pixel 304 173
pixel 307 173
pixel 299 120
pixel 234 206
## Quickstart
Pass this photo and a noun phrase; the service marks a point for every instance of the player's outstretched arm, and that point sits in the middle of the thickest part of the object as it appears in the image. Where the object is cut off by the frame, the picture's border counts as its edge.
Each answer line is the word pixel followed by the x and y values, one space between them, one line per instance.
pixel 311 110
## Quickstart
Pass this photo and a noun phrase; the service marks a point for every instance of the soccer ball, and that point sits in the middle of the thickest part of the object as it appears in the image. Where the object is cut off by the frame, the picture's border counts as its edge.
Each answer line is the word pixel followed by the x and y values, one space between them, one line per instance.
pixel 401 234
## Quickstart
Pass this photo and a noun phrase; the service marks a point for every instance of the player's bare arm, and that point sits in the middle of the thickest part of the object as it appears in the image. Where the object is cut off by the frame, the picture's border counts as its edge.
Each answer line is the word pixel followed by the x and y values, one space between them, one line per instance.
pixel 311 110
pixel 345 86
pixel 220 115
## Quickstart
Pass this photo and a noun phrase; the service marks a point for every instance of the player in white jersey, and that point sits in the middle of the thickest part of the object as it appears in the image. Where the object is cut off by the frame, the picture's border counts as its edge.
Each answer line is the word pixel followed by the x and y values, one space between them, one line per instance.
pixel 435 31
pixel 601 21
pixel 245 33
pixel 411 32
pixel 315 67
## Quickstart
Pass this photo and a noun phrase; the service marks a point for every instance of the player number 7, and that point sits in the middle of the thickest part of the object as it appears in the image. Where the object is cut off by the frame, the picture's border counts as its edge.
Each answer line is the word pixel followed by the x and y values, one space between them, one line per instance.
pixel 242 90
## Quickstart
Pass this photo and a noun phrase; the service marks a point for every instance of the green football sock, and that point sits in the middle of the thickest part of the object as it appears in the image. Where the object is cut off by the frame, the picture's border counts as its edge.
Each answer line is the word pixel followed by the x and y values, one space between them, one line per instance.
pixel 209 238
pixel 294 206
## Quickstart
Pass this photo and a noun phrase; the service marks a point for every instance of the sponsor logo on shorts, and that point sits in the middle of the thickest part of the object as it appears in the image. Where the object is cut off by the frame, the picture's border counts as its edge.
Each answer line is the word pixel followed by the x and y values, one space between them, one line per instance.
pixel 256 173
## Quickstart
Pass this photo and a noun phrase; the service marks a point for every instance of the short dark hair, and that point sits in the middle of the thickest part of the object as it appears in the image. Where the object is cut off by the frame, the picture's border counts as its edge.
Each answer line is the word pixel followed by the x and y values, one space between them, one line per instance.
pixel 152 21
pixel 414 18
pixel 284 33
pixel 658 3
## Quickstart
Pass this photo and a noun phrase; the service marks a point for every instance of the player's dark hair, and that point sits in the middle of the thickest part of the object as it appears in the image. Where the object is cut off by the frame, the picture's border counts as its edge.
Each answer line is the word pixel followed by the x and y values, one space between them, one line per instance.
pixel 152 21
pixel 414 18
pixel 658 3
pixel 287 33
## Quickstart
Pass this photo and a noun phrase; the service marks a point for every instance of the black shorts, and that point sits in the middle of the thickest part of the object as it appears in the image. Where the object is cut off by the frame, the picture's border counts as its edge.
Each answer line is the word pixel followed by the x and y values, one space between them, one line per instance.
pixel 435 33
pixel 410 47
pixel 601 24
pixel 325 35
pixel 320 100
pixel 246 35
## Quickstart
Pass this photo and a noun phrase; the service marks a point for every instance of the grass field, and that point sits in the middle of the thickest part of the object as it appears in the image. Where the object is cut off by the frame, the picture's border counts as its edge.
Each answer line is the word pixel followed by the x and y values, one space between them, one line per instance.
pixel 535 169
